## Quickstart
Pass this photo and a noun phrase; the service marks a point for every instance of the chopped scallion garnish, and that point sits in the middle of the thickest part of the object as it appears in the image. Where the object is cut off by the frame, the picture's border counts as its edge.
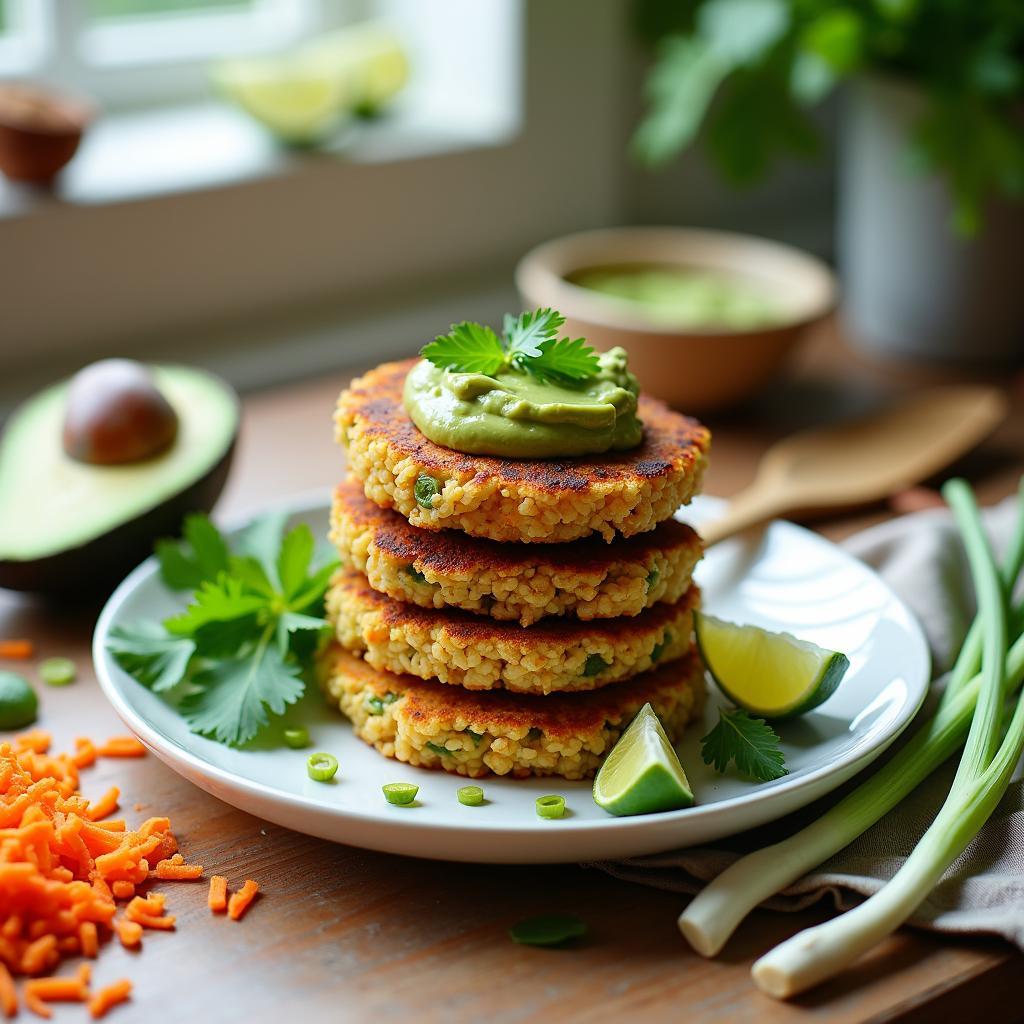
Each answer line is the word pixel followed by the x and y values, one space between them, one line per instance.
pixel 321 767
pixel 400 793
pixel 550 806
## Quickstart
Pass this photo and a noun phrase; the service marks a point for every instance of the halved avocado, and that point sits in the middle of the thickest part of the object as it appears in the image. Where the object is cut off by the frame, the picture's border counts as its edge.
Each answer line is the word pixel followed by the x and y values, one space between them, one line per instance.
pixel 72 528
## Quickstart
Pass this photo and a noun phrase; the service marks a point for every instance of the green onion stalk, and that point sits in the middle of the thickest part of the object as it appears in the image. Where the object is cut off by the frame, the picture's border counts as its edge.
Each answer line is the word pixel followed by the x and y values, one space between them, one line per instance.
pixel 715 912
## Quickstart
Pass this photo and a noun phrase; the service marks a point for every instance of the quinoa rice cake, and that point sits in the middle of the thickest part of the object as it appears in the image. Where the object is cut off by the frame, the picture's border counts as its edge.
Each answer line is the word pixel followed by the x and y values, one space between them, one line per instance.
pixel 526 500
pixel 512 582
pixel 477 734
pixel 462 649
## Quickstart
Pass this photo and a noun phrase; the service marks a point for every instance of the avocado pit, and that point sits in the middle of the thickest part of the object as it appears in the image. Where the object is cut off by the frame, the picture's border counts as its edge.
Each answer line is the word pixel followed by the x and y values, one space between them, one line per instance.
pixel 116 414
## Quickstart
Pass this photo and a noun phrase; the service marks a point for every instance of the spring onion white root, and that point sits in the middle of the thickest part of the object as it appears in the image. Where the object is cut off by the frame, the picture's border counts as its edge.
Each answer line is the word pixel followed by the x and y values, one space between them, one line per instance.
pixel 981 780
pixel 715 912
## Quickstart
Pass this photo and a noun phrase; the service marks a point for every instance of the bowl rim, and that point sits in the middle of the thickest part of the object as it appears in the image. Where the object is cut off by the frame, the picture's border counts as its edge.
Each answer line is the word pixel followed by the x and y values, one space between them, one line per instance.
pixel 540 272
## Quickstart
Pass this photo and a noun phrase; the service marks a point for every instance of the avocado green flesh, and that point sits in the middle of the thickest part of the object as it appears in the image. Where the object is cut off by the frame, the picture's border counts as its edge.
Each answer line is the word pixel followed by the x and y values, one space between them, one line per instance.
pixel 53 503
pixel 513 414
pixel 685 296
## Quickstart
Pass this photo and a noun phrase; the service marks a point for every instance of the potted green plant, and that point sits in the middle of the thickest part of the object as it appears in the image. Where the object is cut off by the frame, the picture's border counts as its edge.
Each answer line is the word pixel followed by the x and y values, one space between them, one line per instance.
pixel 932 145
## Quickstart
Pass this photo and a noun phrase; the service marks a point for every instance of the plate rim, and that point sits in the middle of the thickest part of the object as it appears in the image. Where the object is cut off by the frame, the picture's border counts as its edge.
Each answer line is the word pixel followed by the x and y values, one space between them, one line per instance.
pixel 171 752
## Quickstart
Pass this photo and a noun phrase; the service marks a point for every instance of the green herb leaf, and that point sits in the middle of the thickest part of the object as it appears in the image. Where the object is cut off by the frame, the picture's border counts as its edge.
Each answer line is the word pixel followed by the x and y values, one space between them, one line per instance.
pixel 467 348
pixel 201 556
pixel 530 344
pixel 261 540
pixel 293 622
pixel 563 361
pixel 225 601
pixel 236 694
pixel 749 742
pixel 525 333
pixel 241 648
pixel 294 559
pixel 548 930
pixel 146 651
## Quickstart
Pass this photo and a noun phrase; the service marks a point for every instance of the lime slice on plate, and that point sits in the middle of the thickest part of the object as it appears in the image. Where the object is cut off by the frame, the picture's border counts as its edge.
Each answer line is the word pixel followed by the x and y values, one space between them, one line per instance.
pixel 642 774
pixel 771 675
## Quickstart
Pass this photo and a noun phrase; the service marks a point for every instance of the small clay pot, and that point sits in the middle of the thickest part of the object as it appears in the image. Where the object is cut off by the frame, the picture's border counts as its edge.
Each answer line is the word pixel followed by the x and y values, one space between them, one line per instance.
pixel 39 131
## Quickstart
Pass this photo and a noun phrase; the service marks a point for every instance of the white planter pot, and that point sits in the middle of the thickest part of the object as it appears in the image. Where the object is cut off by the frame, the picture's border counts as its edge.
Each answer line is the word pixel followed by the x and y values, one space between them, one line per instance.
pixel 912 286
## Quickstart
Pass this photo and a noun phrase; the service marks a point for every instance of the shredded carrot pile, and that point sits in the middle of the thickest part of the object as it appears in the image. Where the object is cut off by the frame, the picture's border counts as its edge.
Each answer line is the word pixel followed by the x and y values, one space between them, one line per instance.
pixel 64 864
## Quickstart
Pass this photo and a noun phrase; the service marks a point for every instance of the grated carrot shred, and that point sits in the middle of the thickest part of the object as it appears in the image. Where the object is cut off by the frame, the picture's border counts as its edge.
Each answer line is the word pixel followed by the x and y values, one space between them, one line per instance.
pixel 123 890
pixel 217 900
pixel 57 990
pixel 36 1005
pixel 129 932
pixel 8 995
pixel 18 650
pixel 105 806
pixel 88 939
pixel 239 902
pixel 167 869
pixel 122 746
pixel 109 997
pixel 85 753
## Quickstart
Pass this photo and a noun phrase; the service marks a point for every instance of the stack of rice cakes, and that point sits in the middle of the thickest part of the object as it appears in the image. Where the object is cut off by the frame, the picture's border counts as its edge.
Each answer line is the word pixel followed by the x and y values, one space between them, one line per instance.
pixel 510 616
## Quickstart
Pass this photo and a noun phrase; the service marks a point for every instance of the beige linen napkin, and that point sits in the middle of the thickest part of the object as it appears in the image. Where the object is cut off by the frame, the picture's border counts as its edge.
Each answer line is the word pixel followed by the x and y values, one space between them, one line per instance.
pixel 921 558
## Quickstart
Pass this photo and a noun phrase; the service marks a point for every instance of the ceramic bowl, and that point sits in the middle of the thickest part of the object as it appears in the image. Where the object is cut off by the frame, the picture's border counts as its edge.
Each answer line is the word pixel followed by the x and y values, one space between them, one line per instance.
pixel 39 131
pixel 694 369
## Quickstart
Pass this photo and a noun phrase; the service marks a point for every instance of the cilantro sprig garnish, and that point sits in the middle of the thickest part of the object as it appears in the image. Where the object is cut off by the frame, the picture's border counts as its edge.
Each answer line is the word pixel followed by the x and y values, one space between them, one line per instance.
pixel 240 651
pixel 528 342
pixel 749 742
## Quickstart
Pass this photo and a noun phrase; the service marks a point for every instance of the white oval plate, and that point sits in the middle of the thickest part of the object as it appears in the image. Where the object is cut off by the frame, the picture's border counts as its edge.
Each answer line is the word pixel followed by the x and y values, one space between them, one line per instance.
pixel 789 579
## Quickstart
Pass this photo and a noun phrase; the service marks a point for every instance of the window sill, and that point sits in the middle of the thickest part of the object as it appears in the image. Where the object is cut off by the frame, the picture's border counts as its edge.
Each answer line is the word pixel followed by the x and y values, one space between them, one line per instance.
pixel 165 151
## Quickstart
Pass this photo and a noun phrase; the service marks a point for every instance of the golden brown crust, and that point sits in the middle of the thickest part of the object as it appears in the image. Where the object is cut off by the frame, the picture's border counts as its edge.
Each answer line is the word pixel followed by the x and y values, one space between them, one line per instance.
pixel 446 552
pixel 476 734
pixel 462 649
pixel 521 583
pixel 523 500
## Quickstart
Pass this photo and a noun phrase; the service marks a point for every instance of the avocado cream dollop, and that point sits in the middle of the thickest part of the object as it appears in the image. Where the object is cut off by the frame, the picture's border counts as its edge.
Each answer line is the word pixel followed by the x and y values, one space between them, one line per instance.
pixel 518 416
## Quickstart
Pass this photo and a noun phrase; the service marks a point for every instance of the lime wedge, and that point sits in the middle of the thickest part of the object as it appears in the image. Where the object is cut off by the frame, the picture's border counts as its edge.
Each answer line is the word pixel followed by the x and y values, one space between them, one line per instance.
pixel 368 57
pixel 642 774
pixel 303 94
pixel 771 675
pixel 300 104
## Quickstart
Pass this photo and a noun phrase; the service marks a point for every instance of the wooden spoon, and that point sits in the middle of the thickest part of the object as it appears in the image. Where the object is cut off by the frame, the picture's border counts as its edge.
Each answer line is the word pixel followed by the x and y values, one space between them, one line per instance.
pixel 866 460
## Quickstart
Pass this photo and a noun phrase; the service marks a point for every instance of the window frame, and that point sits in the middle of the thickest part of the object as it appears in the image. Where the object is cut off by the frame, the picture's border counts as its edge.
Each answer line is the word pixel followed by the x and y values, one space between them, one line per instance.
pixel 121 65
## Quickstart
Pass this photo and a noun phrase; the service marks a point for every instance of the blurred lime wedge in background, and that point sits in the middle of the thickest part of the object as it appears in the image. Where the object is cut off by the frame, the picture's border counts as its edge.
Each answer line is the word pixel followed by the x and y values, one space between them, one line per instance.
pixel 771 675
pixel 305 94
pixel 642 774
pixel 371 60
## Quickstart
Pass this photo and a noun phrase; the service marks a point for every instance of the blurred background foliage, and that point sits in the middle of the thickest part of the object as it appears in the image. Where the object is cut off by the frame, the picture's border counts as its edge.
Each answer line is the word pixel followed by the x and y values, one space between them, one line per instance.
pixel 742 76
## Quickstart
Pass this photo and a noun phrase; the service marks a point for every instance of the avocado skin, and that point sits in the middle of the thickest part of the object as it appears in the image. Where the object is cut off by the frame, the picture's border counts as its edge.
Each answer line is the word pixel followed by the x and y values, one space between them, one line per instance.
pixel 91 570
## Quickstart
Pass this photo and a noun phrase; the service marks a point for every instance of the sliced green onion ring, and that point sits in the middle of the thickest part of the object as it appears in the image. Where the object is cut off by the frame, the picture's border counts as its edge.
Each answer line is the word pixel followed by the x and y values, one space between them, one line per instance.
pixel 321 767
pixel 57 671
pixel 296 738
pixel 551 806
pixel 471 796
pixel 400 793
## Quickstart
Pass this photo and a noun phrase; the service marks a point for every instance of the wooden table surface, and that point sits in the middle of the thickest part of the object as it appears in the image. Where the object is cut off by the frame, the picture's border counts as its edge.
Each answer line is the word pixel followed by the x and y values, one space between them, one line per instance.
pixel 343 934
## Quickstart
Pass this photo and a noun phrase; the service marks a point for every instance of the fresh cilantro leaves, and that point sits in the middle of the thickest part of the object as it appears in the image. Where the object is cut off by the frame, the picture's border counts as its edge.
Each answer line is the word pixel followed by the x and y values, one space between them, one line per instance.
pixel 248 636
pixel 529 342
pixel 750 743
pixel 146 651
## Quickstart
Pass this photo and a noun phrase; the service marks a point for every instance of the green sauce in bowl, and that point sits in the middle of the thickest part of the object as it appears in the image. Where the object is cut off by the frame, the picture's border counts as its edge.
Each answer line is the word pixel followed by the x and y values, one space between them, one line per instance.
pixel 687 297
